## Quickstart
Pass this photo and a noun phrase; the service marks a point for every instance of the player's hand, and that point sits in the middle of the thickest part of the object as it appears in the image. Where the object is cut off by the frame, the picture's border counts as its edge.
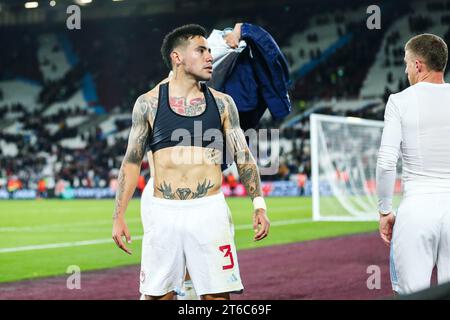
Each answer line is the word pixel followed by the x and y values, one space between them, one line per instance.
pixel 386 227
pixel 261 224
pixel 232 40
pixel 120 229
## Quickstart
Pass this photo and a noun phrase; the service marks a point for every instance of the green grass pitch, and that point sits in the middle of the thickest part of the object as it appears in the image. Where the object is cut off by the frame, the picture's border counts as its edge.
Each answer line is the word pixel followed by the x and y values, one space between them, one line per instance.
pixel 46 222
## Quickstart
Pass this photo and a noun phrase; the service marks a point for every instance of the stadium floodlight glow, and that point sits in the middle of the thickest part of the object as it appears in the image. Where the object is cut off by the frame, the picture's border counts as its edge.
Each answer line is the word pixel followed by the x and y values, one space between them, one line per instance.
pixel 83 2
pixel 353 119
pixel 31 5
pixel 52 3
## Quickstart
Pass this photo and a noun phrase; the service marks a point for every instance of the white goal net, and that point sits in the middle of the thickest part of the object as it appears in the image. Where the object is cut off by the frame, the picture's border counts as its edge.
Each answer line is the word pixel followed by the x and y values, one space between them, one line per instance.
pixel 343 158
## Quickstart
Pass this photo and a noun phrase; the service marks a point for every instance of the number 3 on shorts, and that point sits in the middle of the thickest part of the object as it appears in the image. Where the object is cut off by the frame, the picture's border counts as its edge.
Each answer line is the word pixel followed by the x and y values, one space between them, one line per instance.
pixel 227 253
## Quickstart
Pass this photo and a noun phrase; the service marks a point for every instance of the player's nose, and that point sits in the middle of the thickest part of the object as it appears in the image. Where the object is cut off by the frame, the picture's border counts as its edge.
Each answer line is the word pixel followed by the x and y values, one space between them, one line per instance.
pixel 209 57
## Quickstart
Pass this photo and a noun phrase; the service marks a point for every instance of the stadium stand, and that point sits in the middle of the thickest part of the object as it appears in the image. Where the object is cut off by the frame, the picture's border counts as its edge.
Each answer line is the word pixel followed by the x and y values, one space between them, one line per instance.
pixel 65 102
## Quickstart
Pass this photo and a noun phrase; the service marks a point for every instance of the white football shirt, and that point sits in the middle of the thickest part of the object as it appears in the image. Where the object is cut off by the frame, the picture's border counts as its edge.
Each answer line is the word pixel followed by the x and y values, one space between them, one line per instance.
pixel 416 127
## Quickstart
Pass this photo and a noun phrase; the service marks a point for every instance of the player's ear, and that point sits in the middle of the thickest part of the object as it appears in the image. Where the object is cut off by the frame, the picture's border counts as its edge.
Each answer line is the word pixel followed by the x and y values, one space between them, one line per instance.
pixel 176 58
pixel 418 65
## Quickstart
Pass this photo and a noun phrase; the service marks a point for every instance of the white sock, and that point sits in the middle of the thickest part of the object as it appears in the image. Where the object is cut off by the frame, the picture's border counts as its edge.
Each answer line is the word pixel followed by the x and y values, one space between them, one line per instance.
pixel 189 292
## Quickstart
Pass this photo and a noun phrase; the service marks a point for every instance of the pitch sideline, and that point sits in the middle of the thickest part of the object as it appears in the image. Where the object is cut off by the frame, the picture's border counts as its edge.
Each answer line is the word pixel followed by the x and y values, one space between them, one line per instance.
pixel 109 240
pixel 48 227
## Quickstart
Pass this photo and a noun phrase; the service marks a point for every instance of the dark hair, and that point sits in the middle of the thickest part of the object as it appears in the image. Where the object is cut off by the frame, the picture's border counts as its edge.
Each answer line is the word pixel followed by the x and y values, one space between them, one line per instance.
pixel 431 48
pixel 178 37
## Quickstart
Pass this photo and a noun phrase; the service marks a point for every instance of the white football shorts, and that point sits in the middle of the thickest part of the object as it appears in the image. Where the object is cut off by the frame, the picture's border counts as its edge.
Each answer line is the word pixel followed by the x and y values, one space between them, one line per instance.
pixel 421 240
pixel 196 234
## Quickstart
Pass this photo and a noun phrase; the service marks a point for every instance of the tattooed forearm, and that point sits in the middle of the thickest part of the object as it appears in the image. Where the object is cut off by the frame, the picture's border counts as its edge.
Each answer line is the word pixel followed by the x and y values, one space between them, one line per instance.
pixel 119 194
pixel 130 168
pixel 127 181
pixel 250 179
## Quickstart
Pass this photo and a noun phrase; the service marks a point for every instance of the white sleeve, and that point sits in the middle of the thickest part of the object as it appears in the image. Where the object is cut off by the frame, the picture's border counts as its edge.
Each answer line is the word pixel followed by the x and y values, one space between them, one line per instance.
pixel 387 157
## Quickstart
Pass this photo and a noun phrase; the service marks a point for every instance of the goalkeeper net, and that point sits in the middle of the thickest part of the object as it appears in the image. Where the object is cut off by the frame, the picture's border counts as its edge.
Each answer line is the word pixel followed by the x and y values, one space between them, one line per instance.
pixel 343 158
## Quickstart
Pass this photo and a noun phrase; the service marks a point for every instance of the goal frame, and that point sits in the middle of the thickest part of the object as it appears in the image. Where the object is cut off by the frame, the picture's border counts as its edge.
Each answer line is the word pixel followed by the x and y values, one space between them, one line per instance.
pixel 315 118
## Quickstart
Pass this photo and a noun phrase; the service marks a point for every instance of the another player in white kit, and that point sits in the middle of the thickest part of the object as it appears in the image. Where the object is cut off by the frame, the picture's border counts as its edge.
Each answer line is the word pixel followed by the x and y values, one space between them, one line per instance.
pixel 417 126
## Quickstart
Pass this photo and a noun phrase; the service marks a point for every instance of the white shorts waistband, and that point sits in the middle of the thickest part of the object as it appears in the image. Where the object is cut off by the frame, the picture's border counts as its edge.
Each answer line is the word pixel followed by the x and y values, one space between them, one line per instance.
pixel 426 187
pixel 213 199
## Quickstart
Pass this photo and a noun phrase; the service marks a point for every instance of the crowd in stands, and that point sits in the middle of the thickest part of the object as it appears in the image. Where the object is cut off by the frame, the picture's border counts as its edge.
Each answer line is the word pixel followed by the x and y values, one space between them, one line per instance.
pixel 62 89
pixel 123 67
pixel 40 155
pixel 417 24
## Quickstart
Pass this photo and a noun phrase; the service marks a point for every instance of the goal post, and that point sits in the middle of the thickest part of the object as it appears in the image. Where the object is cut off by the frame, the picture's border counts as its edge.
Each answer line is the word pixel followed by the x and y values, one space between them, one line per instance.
pixel 343 166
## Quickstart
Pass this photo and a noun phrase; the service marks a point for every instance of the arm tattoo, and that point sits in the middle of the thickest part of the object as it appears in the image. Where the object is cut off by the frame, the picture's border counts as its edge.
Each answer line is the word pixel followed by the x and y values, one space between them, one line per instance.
pixel 233 133
pixel 119 194
pixel 185 193
pixel 250 179
pixel 233 113
pixel 139 131
pixel 153 104
pixel 220 105
pixel 245 163
pixel 137 139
